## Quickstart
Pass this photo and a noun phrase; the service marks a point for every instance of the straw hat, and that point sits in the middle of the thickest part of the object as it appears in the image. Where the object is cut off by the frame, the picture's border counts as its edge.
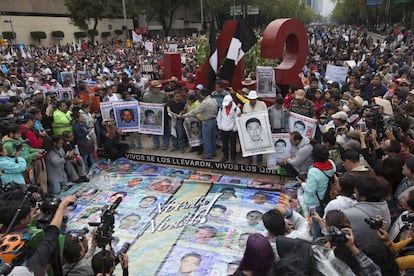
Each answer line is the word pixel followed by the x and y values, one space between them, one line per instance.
pixel 248 81
pixel 156 83
pixel 252 95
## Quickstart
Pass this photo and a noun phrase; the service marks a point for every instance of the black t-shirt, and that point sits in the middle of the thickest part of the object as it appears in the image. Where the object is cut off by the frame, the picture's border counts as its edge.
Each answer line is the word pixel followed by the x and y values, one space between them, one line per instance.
pixel 176 107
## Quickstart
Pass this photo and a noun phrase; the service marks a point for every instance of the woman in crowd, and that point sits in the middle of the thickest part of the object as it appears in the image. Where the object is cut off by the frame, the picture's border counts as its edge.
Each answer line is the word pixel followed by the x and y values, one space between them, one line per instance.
pixel 258 257
pixel 12 168
pixel 316 183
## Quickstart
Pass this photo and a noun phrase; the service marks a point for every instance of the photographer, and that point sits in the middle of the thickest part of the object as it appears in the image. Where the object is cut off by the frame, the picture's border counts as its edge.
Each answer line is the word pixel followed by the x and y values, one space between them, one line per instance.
pixel 43 256
pixel 77 256
pixel 404 250
pixel 12 168
pixel 103 263
pixel 75 168
pixel 36 140
pixel 373 260
pixel 55 165
pixel 14 141
pixel 370 197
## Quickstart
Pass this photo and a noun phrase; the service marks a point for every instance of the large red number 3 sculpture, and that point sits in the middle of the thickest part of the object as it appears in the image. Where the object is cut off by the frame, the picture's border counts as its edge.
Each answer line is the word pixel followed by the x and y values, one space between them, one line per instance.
pixel 286 38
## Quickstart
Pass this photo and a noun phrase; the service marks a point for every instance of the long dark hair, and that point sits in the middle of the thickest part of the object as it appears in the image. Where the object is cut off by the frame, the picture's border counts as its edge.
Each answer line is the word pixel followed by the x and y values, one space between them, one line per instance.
pixel 258 256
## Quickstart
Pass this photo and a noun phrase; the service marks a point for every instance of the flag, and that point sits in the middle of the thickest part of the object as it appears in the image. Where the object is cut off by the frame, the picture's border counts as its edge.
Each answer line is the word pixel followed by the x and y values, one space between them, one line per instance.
pixel 23 53
pixel 213 60
pixel 136 37
pixel 243 40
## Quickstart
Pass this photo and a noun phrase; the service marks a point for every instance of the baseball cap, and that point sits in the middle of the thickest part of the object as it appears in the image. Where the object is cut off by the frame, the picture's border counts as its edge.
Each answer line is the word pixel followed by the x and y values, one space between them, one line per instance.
pixel 227 99
pixel 341 115
pixel 199 86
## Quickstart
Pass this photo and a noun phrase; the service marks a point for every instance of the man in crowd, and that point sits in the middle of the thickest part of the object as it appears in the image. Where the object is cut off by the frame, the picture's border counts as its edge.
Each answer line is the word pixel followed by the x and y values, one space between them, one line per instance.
pixel 208 110
pixel 156 95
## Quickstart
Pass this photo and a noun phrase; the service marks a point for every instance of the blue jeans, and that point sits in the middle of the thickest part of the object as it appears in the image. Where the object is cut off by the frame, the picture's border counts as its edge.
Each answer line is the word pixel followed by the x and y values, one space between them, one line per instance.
pixel 165 140
pixel 209 132
pixel 178 142
pixel 316 229
pixel 55 187
pixel 85 158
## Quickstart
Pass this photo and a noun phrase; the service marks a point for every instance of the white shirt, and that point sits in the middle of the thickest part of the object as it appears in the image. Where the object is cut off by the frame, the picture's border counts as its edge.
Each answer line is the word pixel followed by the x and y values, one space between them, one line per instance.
pixel 340 203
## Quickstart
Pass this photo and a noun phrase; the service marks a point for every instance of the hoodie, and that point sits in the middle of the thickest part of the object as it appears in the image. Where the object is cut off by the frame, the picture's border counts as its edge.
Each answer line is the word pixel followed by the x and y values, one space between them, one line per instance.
pixel 317 182
pixel 364 235
pixel 302 159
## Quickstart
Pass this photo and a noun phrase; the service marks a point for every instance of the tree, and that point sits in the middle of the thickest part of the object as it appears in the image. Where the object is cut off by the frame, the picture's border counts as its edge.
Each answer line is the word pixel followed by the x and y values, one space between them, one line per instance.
pixel 8 35
pixel 162 11
pixel 39 35
pixel 82 12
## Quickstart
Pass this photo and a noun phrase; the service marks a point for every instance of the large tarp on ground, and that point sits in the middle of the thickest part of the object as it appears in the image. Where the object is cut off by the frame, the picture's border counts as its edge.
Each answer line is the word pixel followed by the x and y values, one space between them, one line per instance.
pixel 177 220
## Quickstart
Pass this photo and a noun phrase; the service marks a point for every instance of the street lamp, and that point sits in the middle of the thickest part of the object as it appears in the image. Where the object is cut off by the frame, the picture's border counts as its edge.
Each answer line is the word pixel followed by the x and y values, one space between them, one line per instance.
pixel 125 20
pixel 12 29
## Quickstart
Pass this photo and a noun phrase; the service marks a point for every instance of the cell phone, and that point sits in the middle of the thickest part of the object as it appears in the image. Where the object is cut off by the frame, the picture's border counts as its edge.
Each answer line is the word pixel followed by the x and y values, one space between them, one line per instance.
pixel 312 211
pixel 362 126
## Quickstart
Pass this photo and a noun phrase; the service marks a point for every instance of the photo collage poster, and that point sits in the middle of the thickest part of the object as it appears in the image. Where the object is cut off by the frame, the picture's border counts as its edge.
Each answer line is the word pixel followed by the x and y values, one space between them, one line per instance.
pixel 159 202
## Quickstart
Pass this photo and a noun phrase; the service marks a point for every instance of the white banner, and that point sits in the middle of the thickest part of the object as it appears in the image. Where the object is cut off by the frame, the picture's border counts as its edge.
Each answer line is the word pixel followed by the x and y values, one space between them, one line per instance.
pixel 283 148
pixel 336 73
pixel 192 128
pixel 304 125
pixel 149 46
pixel 254 133
pixel 265 86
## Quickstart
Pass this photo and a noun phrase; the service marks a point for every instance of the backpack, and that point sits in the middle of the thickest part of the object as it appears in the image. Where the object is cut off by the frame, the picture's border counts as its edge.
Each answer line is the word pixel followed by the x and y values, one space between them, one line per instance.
pixel 296 257
pixel 327 196
pixel 304 258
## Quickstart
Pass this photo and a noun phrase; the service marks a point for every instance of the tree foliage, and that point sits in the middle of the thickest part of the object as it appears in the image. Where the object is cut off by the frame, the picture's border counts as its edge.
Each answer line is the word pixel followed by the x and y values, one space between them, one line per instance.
pixel 58 34
pixel 162 11
pixel 105 34
pixel 357 12
pixel 118 32
pixel 8 35
pixel 38 35
pixel 80 34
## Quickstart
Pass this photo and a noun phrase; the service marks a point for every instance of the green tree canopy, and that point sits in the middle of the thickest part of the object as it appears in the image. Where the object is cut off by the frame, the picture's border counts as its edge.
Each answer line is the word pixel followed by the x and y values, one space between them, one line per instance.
pixel 162 11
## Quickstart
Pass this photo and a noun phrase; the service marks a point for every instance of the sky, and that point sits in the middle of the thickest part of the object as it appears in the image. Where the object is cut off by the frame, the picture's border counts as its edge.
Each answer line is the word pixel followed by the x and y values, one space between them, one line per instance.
pixel 328 6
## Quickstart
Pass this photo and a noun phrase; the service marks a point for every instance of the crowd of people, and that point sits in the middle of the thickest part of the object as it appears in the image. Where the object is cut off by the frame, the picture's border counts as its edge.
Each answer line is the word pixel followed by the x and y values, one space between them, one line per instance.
pixel 356 174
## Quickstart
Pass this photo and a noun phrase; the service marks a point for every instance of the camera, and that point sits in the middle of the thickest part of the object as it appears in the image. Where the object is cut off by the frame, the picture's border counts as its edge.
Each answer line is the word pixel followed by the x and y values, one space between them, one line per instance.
pixel 408 218
pixel 105 228
pixel 124 249
pixel 17 146
pixel 337 236
pixel 48 206
pixel 374 223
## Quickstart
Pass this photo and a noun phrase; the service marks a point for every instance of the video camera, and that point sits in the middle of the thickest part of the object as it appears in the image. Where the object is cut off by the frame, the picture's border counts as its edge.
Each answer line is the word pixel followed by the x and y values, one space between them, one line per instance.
pixel 408 219
pixel 374 222
pixel 337 236
pixel 103 235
